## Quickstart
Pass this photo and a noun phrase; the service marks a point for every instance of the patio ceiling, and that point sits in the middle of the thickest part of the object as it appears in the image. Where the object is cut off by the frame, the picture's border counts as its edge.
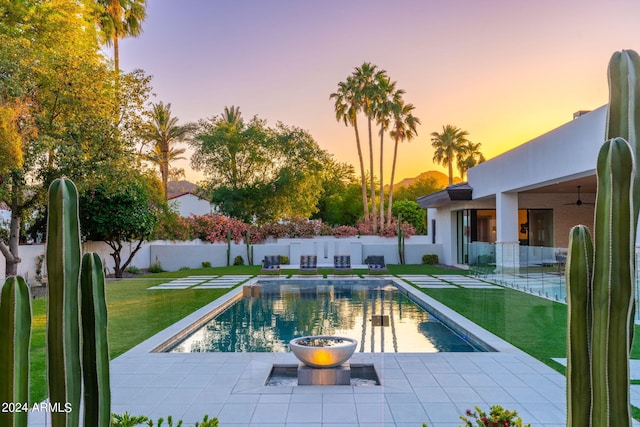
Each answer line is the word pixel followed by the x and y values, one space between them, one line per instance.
pixel 588 184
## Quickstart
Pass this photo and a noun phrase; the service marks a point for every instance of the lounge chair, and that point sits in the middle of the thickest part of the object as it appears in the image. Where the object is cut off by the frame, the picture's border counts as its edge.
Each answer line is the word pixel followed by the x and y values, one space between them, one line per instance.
pixel 342 264
pixel 376 264
pixel 308 264
pixel 271 264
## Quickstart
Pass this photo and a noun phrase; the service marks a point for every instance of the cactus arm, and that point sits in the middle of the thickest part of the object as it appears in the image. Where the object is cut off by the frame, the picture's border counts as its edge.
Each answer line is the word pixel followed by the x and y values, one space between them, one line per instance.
pixel 623 115
pixel 95 348
pixel 613 281
pixel 63 334
pixel 15 337
pixel 578 274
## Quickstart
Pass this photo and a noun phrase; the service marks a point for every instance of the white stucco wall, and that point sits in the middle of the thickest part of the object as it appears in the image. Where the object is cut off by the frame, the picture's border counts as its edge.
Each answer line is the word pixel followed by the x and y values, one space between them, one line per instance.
pixel 567 152
pixel 172 255
pixel 188 204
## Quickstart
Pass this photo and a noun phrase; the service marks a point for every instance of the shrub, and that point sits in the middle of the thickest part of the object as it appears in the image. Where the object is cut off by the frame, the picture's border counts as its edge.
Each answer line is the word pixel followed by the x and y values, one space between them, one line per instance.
pixel 411 213
pixel 284 259
pixel 132 269
pixel 127 420
pixel 345 231
pixel 430 259
pixel 238 260
pixel 184 268
pixel 206 264
pixel 156 267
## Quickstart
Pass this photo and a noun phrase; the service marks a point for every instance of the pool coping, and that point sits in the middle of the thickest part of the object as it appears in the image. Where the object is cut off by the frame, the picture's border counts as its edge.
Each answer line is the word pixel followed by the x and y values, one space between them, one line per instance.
pixel 170 335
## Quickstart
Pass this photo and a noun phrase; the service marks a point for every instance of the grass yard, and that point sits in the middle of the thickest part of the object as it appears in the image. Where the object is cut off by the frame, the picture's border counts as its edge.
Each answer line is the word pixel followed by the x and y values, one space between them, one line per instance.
pixel 135 314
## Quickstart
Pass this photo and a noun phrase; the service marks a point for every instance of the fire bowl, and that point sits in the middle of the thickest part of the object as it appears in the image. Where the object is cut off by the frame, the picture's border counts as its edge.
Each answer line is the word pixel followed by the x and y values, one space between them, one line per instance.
pixel 323 351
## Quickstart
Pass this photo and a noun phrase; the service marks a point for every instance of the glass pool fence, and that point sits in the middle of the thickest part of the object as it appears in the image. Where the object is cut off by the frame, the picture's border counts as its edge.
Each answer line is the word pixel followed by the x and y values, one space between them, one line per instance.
pixel 534 269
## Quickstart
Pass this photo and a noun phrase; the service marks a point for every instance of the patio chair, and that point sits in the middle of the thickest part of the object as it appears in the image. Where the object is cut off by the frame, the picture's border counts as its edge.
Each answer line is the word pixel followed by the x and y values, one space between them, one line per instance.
pixel 271 264
pixel 342 264
pixel 376 264
pixel 308 264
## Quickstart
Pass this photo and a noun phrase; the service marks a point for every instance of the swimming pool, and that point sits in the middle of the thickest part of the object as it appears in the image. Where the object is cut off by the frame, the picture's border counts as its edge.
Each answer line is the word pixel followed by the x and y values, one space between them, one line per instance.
pixel 374 312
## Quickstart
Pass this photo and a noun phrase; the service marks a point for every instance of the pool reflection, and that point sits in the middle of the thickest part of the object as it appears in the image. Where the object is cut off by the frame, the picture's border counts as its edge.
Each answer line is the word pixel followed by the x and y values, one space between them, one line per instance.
pixel 290 309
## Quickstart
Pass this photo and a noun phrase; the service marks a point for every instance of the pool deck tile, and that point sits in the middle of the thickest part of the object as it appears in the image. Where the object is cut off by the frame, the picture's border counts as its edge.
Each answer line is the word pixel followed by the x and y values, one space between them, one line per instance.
pixel 415 387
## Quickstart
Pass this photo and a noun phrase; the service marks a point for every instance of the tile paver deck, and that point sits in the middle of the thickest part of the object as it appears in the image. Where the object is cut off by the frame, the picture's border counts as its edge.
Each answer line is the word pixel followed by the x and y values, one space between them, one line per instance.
pixel 415 387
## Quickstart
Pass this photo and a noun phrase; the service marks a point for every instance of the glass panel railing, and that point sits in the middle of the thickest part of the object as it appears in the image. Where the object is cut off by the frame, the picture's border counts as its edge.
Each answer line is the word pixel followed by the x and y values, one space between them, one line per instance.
pixel 537 270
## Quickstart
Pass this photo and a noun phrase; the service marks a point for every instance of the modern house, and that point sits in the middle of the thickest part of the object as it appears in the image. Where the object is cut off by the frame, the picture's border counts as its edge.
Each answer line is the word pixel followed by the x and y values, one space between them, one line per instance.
pixel 518 207
pixel 188 204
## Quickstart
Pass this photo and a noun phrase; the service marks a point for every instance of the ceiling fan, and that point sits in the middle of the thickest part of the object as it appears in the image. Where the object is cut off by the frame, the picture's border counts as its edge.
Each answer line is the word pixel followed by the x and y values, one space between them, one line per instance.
pixel 579 201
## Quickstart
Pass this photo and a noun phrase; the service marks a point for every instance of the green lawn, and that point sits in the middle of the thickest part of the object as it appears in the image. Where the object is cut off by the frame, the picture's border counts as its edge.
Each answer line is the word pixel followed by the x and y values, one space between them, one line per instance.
pixel 135 314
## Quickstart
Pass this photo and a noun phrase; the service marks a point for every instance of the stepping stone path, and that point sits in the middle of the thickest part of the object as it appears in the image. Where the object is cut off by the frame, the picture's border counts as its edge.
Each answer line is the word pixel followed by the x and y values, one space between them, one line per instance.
pixel 467 282
pixel 203 282
pixel 448 281
pixel 423 281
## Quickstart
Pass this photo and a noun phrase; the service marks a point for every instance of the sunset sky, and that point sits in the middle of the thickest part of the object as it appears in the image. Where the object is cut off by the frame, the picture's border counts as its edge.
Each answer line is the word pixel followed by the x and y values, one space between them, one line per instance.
pixel 505 71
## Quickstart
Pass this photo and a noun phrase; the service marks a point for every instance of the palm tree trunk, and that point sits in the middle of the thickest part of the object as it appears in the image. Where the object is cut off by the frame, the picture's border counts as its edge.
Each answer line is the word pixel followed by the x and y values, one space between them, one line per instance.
pixel 374 224
pixel 165 171
pixel 365 201
pixel 381 178
pixel 450 171
pixel 393 173
pixel 116 54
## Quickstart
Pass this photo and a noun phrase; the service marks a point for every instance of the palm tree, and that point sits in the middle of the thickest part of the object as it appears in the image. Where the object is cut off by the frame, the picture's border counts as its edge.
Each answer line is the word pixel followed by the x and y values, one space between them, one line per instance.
pixel 403 128
pixel 366 77
pixel 448 145
pixel 119 19
pixel 347 107
pixel 163 130
pixel 469 157
pixel 387 96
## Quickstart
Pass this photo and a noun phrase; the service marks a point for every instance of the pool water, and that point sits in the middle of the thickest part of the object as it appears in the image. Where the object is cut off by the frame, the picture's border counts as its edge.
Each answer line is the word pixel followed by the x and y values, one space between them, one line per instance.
pixel 375 313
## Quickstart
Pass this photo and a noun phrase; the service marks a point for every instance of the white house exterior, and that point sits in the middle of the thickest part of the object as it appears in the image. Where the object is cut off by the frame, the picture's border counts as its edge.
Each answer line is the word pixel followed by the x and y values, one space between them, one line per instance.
pixel 526 197
pixel 189 204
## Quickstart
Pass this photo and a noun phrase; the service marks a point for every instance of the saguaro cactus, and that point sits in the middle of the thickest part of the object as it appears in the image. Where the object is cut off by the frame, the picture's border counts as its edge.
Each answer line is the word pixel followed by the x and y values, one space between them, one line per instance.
pixel 247 240
pixel 63 330
pixel 68 290
pixel 400 241
pixel 95 348
pixel 15 336
pixel 601 282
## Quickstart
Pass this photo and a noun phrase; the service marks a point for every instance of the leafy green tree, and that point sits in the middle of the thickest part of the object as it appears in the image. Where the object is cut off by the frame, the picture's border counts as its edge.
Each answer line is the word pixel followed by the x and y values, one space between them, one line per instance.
pixel 45 56
pixel 116 213
pixel 62 91
pixel 10 140
pixel 448 144
pixel 339 202
pixel 119 19
pixel 255 172
pixel 403 127
pixel 411 213
pixel 421 187
pixel 164 132
pixel 469 157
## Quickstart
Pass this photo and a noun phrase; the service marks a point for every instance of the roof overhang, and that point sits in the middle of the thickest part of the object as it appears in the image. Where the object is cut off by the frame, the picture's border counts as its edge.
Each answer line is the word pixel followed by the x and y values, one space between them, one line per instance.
pixel 455 192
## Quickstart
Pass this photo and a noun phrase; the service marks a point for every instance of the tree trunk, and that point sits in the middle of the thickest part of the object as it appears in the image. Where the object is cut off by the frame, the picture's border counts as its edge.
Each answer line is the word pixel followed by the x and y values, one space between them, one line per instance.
pixel 363 179
pixel 393 173
pixel 374 223
pixel 450 172
pixel 381 178
pixel 165 171
pixel 117 258
pixel 10 250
